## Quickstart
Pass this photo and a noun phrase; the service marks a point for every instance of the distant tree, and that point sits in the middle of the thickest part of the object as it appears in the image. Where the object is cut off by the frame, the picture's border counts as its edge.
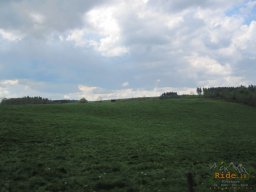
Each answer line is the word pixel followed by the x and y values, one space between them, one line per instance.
pixel 169 95
pixel 83 100
pixel 199 91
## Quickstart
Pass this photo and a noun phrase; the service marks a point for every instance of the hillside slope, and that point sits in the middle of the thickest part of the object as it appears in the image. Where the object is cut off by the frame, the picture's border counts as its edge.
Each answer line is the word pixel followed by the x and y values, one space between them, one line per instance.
pixel 138 145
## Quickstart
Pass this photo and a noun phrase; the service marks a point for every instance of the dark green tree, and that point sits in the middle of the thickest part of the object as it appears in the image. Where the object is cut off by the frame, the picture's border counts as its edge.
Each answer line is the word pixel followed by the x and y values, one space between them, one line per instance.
pixel 199 91
pixel 83 100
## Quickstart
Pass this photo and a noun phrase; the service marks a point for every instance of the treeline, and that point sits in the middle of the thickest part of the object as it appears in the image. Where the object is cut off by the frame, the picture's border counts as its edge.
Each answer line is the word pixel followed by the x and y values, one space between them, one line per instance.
pixel 25 100
pixel 34 100
pixel 242 94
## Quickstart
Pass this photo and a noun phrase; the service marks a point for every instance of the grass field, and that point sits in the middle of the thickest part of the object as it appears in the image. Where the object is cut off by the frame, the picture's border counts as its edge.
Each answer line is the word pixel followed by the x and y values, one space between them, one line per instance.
pixel 137 145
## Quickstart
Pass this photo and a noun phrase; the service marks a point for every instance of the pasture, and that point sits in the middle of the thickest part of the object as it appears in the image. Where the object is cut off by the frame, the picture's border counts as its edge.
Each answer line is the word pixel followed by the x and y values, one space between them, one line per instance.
pixel 129 145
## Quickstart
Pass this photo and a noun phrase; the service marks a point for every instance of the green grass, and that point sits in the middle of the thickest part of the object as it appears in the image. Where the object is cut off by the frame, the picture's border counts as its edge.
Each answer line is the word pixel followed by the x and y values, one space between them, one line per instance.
pixel 137 145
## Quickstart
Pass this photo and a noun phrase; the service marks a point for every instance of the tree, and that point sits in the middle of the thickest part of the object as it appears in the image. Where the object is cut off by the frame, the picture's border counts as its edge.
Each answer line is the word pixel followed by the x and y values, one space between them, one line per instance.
pixel 169 95
pixel 83 100
pixel 199 91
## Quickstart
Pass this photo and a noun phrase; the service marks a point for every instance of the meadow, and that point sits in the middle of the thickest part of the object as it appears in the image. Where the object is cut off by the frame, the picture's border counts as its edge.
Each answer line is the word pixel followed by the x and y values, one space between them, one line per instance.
pixel 145 145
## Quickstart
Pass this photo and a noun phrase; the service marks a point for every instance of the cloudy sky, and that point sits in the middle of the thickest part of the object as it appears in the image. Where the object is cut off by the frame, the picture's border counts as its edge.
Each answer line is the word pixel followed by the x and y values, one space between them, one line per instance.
pixel 103 49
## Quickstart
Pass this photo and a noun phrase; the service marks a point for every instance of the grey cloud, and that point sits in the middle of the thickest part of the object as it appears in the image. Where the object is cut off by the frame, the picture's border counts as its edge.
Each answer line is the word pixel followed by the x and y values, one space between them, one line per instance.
pixel 160 38
pixel 57 62
pixel 57 15
pixel 137 30
pixel 179 5
pixel 166 59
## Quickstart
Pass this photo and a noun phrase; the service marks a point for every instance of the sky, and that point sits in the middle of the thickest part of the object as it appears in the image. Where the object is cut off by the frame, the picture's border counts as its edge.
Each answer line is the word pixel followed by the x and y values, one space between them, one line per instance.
pixel 106 49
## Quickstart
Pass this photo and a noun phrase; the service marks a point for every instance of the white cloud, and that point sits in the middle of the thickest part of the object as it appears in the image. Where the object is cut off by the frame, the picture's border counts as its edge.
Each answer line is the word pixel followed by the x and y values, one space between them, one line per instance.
pixel 242 44
pixel 103 22
pixel 101 31
pixel 125 84
pixel 86 89
pixel 10 35
pixel 37 18
pixel 208 65
pixel 245 40
pixel 94 93
pixel 9 82
pixel 77 36
pixel 23 87
pixel 228 81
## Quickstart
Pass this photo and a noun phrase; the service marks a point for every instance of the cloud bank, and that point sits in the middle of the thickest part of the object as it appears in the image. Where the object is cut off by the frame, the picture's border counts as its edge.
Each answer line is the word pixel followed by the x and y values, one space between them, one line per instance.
pixel 109 49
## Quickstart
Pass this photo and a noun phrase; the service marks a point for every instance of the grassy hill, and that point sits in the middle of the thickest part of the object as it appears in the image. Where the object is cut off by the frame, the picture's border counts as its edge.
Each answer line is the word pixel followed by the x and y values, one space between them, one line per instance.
pixel 137 145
